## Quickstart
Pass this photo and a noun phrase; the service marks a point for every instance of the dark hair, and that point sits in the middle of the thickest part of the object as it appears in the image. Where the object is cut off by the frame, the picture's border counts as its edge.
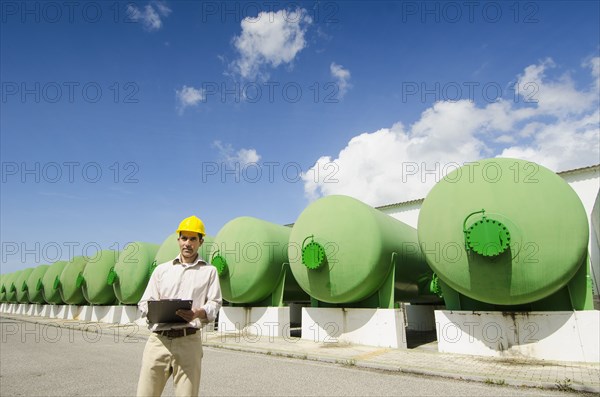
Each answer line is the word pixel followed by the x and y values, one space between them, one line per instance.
pixel 200 236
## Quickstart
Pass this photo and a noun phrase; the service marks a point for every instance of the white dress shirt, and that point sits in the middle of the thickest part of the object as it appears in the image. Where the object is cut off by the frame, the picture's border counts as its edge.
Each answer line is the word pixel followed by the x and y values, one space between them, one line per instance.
pixel 198 282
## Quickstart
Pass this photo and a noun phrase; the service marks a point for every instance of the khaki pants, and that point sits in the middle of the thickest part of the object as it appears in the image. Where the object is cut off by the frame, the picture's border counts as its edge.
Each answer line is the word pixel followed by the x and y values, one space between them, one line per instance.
pixel 162 357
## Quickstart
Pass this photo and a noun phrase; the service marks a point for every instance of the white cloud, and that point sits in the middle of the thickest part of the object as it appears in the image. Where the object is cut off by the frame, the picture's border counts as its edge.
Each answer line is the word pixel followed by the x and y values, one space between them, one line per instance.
pixel 555 98
pixel 560 131
pixel 246 156
pixel 270 39
pixel 150 15
pixel 568 143
pixel 188 96
pixel 342 77
pixel 505 139
pixel 163 9
pixel 236 159
pixel 594 65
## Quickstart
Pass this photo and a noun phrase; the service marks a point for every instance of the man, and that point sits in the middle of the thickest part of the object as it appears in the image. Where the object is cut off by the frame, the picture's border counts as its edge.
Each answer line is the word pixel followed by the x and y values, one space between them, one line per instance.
pixel 177 348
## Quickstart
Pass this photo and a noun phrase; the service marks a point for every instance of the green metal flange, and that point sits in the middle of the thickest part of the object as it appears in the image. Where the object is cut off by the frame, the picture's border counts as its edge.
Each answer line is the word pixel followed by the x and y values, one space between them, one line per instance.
pixel 79 281
pixel 313 255
pixel 152 267
pixel 435 287
pixel 112 276
pixel 487 237
pixel 219 262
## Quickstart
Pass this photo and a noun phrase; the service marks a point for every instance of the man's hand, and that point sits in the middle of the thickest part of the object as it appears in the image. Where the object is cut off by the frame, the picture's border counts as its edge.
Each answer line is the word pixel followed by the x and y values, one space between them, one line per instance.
pixel 190 315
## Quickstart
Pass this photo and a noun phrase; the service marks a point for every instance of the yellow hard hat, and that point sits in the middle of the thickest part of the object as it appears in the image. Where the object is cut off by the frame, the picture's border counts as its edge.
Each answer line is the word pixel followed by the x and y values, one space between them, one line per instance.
pixel 191 224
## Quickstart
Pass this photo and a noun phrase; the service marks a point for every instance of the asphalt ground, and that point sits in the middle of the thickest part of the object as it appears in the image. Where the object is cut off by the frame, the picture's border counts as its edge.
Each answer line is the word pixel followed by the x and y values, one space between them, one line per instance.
pixel 43 357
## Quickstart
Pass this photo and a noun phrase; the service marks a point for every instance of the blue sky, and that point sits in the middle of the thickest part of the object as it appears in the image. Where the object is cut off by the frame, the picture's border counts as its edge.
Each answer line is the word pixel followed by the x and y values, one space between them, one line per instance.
pixel 118 119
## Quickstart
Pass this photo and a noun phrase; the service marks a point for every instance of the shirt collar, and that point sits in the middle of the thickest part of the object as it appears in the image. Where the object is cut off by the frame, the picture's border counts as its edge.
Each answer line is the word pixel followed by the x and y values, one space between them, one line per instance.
pixel 198 261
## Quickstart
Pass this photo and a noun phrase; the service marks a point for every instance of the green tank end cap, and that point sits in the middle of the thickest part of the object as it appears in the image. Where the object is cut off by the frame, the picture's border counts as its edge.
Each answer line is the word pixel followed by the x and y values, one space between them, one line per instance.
pixel 313 255
pixel 488 237
pixel 220 263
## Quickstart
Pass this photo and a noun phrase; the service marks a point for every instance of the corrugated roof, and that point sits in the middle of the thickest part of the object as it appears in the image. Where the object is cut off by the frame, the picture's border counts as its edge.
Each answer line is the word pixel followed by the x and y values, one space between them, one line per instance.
pixel 417 201
pixel 577 170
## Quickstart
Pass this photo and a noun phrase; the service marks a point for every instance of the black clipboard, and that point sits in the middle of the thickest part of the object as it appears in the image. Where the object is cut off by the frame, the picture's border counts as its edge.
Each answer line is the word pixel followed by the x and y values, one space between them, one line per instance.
pixel 163 311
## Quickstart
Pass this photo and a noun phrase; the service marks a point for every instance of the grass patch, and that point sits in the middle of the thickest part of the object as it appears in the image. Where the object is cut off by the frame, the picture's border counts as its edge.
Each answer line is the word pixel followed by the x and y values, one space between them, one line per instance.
pixel 564 385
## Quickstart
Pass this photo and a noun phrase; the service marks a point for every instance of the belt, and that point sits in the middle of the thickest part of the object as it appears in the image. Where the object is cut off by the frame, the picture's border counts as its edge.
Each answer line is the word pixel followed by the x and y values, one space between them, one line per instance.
pixel 177 333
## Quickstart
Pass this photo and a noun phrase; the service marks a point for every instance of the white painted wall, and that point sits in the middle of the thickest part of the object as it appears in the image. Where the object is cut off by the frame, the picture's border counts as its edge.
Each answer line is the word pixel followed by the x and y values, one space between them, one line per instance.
pixel 408 213
pixel 595 247
pixel 104 314
pixel 560 336
pixel 371 327
pixel 256 321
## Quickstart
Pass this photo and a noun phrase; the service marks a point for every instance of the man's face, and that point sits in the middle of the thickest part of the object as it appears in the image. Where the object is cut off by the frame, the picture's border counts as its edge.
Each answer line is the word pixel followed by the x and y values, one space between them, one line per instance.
pixel 189 243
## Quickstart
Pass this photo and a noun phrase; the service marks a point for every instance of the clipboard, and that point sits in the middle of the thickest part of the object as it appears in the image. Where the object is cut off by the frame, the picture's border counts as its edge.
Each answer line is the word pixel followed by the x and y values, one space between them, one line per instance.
pixel 163 311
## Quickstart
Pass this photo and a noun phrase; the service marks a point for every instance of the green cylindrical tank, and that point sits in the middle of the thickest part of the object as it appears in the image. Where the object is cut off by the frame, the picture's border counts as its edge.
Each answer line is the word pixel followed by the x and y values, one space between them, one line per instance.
pixel 132 271
pixel 5 286
pixel 169 249
pixel 504 232
pixel 2 289
pixel 11 287
pixel 251 258
pixel 93 280
pixel 34 284
pixel 51 283
pixel 343 251
pixel 21 285
pixel 70 291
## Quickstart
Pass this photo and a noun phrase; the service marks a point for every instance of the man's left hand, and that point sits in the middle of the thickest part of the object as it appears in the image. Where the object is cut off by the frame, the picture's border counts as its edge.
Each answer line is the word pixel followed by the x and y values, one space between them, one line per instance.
pixel 190 315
